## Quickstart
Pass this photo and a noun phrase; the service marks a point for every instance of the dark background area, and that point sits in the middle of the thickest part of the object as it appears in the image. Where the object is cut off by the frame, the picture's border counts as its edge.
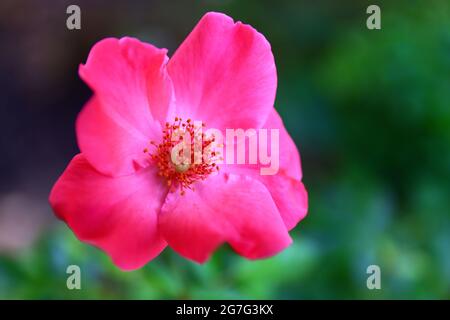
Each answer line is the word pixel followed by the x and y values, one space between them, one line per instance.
pixel 368 109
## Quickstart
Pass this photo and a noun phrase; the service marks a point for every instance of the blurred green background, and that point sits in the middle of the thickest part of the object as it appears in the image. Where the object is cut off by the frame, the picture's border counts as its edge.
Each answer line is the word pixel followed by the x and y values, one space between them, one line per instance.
pixel 368 109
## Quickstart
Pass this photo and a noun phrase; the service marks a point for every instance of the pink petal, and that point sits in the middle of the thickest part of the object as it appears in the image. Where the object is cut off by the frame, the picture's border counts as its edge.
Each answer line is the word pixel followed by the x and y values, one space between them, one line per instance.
pixel 224 74
pixel 285 187
pixel 119 215
pixel 132 98
pixel 113 147
pixel 223 208
pixel 289 195
pixel 289 156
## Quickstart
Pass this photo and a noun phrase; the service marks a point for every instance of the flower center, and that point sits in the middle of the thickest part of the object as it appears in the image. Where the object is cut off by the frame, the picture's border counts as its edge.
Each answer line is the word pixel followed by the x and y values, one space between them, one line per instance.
pixel 185 154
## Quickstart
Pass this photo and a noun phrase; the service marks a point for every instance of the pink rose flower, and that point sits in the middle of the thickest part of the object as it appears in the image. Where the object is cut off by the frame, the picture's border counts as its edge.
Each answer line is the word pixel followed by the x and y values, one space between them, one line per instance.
pixel 125 195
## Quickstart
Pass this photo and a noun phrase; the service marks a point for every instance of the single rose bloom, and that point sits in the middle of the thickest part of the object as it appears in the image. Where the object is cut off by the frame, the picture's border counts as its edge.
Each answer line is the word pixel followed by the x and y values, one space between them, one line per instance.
pixel 124 194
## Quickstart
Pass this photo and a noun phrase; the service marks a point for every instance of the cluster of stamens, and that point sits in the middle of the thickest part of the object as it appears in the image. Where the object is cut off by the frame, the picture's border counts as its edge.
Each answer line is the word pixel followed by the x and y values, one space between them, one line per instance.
pixel 185 154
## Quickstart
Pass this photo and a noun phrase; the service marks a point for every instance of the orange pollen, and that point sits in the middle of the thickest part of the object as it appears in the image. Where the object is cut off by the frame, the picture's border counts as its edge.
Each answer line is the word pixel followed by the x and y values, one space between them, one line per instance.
pixel 185 154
